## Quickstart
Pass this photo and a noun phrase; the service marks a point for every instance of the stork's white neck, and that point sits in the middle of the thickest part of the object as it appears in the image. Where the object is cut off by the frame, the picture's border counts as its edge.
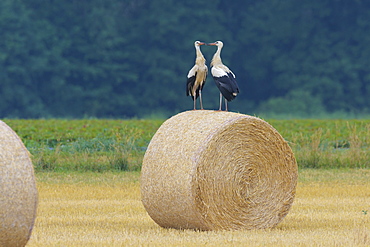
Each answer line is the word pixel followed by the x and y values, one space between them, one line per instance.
pixel 217 57
pixel 199 56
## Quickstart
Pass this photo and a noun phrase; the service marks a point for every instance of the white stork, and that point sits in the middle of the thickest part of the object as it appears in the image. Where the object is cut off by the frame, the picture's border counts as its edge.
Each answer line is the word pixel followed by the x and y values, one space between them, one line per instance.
pixel 223 77
pixel 197 76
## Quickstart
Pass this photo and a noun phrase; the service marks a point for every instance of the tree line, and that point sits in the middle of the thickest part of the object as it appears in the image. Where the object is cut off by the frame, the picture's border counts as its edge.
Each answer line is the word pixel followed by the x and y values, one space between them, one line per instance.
pixel 130 58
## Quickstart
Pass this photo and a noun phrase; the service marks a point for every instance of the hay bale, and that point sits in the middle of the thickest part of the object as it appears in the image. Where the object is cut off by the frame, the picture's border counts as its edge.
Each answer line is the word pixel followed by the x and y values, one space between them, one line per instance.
pixel 18 192
pixel 213 170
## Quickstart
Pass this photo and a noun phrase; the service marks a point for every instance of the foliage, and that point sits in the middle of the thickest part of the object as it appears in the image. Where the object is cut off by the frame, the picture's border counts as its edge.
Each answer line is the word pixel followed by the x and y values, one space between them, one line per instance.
pixel 119 145
pixel 328 143
pixel 127 58
pixel 83 145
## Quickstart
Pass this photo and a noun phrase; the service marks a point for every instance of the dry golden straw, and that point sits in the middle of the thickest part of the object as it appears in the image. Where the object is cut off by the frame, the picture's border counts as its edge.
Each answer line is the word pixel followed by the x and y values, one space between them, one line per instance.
pixel 213 170
pixel 18 192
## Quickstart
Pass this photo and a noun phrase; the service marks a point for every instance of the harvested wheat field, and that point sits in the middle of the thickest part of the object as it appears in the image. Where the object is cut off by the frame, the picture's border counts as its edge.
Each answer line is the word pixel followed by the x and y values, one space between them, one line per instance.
pixel 331 208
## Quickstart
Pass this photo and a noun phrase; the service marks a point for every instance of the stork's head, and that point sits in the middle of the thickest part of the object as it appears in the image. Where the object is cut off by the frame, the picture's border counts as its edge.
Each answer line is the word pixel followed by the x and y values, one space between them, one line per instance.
pixel 198 43
pixel 217 43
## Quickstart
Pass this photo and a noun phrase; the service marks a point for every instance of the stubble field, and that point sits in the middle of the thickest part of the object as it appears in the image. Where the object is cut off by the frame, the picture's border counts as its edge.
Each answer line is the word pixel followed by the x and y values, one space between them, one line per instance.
pixel 331 208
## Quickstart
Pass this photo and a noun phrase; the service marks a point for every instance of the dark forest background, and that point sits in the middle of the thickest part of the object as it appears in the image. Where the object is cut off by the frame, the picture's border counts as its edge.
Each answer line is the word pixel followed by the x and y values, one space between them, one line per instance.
pixel 130 58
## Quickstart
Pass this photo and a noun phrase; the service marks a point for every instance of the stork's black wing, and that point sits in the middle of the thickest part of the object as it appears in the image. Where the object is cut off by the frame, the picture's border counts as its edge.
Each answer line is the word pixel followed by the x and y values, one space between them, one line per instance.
pixel 234 84
pixel 227 86
pixel 189 86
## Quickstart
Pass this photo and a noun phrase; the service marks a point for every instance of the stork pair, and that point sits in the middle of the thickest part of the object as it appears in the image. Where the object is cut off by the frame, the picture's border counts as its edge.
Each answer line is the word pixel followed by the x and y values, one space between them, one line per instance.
pixel 222 75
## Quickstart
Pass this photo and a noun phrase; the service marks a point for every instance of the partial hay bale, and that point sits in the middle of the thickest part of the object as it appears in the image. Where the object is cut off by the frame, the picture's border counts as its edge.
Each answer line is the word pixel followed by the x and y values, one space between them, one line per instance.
pixel 18 192
pixel 212 170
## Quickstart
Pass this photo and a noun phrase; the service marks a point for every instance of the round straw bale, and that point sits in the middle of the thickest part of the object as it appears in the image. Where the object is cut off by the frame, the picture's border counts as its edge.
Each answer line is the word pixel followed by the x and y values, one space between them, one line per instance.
pixel 213 170
pixel 18 192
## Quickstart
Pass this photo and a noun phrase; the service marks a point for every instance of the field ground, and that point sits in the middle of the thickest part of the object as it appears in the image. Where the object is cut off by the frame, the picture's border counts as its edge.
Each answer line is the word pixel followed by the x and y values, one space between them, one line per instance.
pixel 331 208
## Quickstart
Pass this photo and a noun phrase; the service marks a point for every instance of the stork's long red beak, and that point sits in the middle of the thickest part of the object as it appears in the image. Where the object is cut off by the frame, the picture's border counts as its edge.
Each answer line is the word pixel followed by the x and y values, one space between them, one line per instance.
pixel 211 43
pixel 202 43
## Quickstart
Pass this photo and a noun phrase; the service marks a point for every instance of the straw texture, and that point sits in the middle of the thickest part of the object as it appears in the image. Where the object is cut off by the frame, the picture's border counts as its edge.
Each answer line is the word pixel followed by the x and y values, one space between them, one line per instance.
pixel 213 170
pixel 18 192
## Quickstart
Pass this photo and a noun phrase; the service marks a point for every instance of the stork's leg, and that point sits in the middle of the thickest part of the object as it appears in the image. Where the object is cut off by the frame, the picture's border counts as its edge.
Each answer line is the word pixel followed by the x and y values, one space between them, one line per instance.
pixel 200 99
pixel 220 109
pixel 226 105
pixel 195 103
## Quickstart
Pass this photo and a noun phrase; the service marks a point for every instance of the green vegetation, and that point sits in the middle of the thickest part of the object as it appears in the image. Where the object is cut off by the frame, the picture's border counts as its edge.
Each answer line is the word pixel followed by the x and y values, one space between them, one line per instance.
pixel 119 145
pixel 85 145
pixel 130 58
pixel 327 143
